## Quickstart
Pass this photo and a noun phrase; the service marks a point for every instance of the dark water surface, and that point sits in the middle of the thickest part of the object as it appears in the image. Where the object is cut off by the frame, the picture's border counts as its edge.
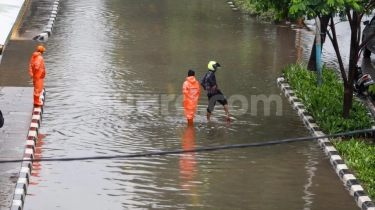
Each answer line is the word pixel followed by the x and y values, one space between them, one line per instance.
pixel 115 72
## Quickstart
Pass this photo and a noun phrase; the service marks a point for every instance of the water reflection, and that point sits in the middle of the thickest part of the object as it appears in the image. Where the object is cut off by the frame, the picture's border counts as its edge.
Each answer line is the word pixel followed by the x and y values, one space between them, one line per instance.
pixel 188 164
pixel 111 65
pixel 35 173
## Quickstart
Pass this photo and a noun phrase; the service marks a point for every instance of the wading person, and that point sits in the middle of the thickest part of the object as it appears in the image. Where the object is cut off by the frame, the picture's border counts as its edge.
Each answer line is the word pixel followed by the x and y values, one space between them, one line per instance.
pixel 191 91
pixel 213 92
pixel 37 73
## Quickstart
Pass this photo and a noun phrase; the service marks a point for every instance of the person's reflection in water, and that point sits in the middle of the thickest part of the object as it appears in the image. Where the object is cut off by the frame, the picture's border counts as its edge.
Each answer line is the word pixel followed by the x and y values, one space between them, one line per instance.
pixel 37 155
pixel 188 164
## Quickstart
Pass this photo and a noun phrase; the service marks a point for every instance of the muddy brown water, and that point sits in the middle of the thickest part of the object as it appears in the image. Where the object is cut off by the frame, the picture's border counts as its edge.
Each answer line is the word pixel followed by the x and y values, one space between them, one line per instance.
pixel 114 76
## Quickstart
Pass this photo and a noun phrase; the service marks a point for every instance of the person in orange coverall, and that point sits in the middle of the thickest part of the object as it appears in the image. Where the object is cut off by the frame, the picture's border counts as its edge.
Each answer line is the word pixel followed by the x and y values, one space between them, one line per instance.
pixel 37 73
pixel 191 91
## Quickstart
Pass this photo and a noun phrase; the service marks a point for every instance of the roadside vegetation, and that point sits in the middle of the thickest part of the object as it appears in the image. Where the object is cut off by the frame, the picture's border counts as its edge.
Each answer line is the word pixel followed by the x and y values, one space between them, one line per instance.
pixel 247 7
pixel 324 103
pixel 332 105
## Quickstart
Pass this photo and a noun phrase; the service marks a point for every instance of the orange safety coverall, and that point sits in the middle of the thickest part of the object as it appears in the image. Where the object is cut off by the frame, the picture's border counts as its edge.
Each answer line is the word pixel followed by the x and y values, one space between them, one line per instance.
pixel 191 91
pixel 37 72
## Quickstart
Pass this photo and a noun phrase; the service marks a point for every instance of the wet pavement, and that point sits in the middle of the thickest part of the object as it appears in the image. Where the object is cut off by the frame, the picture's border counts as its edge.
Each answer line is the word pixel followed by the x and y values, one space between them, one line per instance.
pixel 34 19
pixel 115 70
pixel 9 10
pixel 16 93
pixel 16 106
pixel 15 61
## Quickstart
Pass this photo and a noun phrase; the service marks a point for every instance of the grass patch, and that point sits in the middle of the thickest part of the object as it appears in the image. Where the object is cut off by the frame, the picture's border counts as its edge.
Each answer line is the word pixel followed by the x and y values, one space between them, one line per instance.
pixel 325 103
pixel 360 158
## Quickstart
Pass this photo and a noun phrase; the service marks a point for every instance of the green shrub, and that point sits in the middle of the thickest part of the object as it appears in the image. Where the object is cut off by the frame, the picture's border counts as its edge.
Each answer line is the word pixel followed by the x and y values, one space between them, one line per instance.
pixel 250 8
pixel 360 157
pixel 371 89
pixel 325 103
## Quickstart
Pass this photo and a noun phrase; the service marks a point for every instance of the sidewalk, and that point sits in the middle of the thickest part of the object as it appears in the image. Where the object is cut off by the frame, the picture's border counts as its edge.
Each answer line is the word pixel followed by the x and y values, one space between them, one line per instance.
pixel 9 13
pixel 16 106
pixel 20 22
pixel 25 20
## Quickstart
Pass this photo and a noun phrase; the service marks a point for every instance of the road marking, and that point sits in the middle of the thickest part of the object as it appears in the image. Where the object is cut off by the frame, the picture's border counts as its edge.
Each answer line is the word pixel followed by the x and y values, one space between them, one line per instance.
pixel 17 24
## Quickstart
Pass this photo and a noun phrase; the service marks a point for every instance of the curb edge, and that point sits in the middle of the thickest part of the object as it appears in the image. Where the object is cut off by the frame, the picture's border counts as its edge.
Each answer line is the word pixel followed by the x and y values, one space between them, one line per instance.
pixel 27 164
pixel 351 183
pixel 47 33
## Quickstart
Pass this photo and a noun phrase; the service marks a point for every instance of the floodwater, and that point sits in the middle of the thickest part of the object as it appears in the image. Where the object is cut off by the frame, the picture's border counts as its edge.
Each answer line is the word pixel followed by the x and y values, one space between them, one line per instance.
pixel 114 75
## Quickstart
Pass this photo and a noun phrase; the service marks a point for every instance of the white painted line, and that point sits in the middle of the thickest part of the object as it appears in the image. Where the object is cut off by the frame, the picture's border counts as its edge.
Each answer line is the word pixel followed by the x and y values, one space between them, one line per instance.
pixel 22 181
pixel 330 149
pixel 362 199
pixel 296 104
pixel 19 191
pixel 301 111
pixel 355 188
pixel 36 117
pixel 17 203
pixel 25 170
pixel 31 143
pixel 34 125
pixel 348 177
pixel 319 133
pixel 43 37
pixel 325 140
pixel 313 125
pixel 32 133
pixel 284 86
pixel 29 151
pixel 341 166
pixel 335 157
pixel 37 109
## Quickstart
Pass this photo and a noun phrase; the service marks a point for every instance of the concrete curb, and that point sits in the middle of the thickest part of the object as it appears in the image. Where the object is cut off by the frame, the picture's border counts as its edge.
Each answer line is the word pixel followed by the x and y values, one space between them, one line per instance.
pixel 27 164
pixel 46 34
pixel 351 183
pixel 233 5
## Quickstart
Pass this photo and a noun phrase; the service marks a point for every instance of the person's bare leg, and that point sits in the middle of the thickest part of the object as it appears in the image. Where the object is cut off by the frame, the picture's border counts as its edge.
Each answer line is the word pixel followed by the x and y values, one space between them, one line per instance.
pixel 226 111
pixel 208 115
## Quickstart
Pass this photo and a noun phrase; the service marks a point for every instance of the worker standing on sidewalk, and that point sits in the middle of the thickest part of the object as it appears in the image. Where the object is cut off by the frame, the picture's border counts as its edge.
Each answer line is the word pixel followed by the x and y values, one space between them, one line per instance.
pixel 37 73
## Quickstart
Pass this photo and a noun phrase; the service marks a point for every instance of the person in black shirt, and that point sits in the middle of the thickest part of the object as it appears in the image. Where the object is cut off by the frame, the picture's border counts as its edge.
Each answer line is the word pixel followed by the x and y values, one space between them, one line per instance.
pixel 213 92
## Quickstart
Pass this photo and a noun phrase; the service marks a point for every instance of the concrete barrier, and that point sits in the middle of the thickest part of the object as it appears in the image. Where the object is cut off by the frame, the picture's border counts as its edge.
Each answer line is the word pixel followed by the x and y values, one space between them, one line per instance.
pixel 26 167
pixel 350 182
pixel 47 33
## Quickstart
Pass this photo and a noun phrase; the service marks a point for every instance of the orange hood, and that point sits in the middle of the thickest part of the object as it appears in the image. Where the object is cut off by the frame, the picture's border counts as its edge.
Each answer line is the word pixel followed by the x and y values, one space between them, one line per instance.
pixel 191 80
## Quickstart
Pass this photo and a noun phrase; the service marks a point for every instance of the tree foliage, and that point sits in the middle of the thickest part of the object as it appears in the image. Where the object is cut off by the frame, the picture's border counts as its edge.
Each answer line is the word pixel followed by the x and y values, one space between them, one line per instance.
pixel 350 10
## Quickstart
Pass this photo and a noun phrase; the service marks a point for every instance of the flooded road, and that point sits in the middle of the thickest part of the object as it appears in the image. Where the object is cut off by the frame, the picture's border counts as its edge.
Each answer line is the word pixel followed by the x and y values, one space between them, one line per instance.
pixel 114 75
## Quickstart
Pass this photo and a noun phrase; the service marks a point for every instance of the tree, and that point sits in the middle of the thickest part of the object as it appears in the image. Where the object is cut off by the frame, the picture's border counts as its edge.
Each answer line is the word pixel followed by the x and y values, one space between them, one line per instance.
pixel 312 61
pixel 350 10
